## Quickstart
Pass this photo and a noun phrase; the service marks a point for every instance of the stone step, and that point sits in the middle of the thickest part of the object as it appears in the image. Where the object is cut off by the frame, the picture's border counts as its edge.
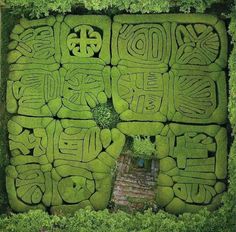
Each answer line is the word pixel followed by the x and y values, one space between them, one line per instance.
pixel 121 196
pixel 122 203
pixel 137 181
pixel 135 185
pixel 131 199
pixel 126 201
pixel 133 176
pixel 138 174
pixel 134 191
pixel 140 194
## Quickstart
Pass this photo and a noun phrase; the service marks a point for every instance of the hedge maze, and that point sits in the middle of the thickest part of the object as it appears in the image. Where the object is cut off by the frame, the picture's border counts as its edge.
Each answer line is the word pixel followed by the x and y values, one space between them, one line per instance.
pixel 165 75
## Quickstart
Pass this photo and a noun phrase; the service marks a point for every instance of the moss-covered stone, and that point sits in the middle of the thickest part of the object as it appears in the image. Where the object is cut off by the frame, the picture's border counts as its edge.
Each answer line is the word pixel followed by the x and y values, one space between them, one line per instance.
pixel 220 187
pixel 164 180
pixel 167 164
pixel 176 206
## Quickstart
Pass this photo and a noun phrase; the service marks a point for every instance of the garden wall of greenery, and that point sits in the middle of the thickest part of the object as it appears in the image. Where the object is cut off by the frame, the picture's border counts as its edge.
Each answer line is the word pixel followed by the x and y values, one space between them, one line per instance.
pixel 62 67
pixel 177 95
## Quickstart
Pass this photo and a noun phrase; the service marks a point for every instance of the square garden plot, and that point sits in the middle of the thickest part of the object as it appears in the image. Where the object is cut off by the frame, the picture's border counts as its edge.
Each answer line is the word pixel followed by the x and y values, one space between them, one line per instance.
pixel 165 77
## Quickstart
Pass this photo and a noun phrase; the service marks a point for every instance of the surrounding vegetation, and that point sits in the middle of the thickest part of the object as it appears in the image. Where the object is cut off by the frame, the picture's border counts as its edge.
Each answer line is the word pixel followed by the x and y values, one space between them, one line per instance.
pixel 222 220
pixel 89 221
pixel 37 8
pixel 8 21
pixel 143 147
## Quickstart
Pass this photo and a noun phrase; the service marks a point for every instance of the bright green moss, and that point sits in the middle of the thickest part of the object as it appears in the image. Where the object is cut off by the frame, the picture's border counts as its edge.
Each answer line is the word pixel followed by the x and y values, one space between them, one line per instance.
pixel 164 195
pixel 105 137
pixel 164 180
pixel 176 206
pixel 167 164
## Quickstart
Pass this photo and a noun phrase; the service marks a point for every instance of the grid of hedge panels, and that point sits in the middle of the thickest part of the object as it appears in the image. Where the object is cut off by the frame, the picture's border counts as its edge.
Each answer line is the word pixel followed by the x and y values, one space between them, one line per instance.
pixel 165 76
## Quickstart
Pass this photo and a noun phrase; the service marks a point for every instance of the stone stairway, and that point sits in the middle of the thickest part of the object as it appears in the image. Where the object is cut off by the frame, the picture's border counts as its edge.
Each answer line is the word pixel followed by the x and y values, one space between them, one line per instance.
pixel 134 188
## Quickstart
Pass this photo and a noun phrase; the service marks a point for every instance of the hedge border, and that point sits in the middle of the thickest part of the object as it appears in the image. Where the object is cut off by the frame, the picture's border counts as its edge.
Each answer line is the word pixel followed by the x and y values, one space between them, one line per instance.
pixel 220 220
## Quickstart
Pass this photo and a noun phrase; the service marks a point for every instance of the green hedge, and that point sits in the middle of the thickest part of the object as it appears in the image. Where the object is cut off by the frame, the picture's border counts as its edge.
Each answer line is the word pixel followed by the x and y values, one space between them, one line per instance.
pixel 39 177
pixel 8 22
pixel 86 220
pixel 44 7
pixel 230 198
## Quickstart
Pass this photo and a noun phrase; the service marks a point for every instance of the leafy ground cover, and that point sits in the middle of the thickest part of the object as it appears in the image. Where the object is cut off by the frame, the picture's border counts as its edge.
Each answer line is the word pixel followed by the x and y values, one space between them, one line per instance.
pixel 86 220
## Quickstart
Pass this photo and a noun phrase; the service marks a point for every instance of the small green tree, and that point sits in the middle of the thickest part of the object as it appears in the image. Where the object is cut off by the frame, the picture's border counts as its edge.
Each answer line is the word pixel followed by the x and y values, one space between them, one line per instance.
pixel 143 147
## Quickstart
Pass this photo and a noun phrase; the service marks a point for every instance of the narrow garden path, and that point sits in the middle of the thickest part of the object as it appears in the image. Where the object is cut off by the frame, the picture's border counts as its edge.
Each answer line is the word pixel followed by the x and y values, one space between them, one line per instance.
pixel 134 187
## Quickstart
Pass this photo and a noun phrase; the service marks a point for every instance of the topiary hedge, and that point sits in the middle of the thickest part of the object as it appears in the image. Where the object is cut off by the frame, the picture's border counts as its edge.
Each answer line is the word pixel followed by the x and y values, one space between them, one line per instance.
pixel 220 220
pixel 60 70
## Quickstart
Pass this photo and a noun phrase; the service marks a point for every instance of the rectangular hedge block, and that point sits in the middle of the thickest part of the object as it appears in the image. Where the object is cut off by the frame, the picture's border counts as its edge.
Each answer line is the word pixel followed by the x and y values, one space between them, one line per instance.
pixel 154 55
pixel 57 162
pixel 85 39
pixel 174 40
pixel 58 66
pixel 195 159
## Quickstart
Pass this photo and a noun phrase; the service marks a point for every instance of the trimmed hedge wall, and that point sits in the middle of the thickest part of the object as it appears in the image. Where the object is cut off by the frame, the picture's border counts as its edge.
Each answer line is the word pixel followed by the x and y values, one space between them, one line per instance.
pixel 8 22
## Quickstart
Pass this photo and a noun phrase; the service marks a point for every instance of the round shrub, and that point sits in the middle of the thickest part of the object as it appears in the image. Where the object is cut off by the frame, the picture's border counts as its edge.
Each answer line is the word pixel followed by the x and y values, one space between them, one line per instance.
pixel 105 115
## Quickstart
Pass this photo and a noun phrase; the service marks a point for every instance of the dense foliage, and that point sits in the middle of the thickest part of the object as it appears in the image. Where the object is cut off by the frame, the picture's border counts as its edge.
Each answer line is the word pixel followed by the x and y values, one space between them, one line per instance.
pixel 8 22
pixel 44 7
pixel 230 198
pixel 198 5
pixel 88 220
pixel 143 147
pixel 105 115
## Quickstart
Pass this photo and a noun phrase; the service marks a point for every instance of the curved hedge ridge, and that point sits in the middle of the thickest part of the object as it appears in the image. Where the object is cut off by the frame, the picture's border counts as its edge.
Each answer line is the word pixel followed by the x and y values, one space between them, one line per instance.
pixel 58 73
pixel 166 69
pixel 57 162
